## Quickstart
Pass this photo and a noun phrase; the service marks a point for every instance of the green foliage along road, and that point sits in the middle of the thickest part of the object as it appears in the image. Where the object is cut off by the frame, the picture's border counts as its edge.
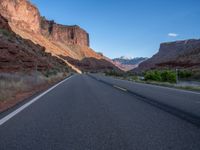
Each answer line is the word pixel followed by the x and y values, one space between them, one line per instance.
pixel 161 76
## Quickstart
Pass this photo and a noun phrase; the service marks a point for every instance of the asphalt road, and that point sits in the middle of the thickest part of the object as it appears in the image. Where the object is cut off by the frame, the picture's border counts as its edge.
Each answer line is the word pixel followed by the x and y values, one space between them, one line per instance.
pixel 185 104
pixel 85 114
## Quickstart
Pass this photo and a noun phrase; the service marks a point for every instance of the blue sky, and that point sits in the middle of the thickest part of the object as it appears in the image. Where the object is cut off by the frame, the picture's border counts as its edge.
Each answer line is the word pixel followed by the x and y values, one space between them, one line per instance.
pixel 127 27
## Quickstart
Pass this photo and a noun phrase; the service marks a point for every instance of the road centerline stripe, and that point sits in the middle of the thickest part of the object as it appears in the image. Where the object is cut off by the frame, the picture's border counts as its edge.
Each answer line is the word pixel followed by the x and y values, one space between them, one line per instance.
pixel 120 88
pixel 17 111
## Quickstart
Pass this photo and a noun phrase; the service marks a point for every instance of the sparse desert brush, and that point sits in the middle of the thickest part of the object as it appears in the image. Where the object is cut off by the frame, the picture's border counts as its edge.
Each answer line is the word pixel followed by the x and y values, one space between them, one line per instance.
pixel 11 84
pixel 54 78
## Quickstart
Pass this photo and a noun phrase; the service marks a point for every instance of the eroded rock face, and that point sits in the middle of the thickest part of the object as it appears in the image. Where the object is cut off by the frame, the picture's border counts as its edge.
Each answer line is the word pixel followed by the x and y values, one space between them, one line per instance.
pixel 174 54
pixel 65 34
pixel 21 13
pixel 59 40
pixel 18 54
pixel 25 16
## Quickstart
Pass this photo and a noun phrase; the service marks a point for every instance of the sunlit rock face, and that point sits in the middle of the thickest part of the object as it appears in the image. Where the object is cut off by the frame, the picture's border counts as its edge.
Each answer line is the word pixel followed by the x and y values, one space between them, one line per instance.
pixel 22 14
pixel 18 54
pixel 59 40
pixel 63 33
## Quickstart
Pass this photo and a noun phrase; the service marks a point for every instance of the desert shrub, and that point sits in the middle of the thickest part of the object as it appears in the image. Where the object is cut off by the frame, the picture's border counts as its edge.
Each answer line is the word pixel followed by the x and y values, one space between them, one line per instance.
pixel 161 76
pixel 153 75
pixel 51 72
pixel 5 32
pixel 11 84
pixel 135 78
pixel 113 73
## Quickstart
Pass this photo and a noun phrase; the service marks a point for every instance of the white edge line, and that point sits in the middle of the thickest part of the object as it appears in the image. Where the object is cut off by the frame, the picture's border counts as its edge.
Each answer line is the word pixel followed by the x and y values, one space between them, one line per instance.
pixel 12 114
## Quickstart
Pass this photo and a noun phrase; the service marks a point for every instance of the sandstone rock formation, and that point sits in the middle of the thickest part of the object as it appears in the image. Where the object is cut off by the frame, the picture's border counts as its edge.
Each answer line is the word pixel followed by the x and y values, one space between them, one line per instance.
pixel 4 24
pixel 179 54
pixel 22 14
pixel 59 40
pixel 19 55
pixel 64 34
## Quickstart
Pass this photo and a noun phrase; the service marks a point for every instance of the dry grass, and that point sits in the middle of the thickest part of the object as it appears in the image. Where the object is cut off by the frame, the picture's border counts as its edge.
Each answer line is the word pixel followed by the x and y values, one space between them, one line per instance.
pixel 11 84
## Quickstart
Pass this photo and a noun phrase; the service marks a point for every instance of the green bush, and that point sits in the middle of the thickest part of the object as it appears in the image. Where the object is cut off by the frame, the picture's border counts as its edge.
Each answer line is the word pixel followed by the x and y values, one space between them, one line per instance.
pixel 184 74
pixel 153 75
pixel 168 76
pixel 161 76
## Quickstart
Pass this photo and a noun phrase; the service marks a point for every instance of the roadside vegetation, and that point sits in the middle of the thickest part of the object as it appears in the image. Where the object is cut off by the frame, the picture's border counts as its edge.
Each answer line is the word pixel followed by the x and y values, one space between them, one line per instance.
pixel 114 73
pixel 161 76
pixel 168 78
pixel 12 84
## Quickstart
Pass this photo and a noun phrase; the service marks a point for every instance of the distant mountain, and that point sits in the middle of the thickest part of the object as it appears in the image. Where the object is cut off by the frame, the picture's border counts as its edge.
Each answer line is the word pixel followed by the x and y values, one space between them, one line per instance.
pixel 128 63
pixel 178 54
pixel 125 57
pixel 129 60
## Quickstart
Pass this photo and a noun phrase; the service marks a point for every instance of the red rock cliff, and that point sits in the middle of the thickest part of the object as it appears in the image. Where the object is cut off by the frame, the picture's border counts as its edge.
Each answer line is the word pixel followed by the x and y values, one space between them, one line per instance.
pixel 21 13
pixel 174 54
pixel 59 40
pixel 64 34
pixel 18 54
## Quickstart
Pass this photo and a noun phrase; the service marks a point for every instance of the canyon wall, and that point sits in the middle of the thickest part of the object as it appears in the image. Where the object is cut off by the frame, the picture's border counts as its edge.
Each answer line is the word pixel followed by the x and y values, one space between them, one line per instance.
pixel 61 41
pixel 65 34
pixel 174 54
pixel 18 54
pixel 21 13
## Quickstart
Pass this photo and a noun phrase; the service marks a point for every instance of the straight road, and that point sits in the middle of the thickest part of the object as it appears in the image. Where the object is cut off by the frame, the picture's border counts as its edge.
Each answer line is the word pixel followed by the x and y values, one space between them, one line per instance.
pixel 85 114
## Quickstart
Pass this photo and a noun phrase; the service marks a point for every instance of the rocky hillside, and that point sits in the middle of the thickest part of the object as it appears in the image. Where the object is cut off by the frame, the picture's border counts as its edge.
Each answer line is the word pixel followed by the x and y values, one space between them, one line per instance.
pixel 93 65
pixel 59 40
pixel 19 55
pixel 179 54
pixel 128 64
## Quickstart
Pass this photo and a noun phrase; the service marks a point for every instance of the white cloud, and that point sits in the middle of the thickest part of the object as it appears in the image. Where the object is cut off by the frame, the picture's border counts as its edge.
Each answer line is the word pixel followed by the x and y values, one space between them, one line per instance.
pixel 173 34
